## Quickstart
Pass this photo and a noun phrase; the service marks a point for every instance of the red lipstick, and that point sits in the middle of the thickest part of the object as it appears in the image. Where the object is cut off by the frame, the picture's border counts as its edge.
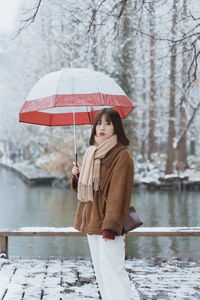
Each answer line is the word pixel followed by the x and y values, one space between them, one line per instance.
pixel 101 133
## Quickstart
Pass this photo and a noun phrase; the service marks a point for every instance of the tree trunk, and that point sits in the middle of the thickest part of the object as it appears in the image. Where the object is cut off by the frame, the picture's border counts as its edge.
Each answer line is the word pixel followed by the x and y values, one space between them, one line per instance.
pixel 94 54
pixel 143 135
pixel 192 147
pixel 171 121
pixel 125 67
pixel 182 163
pixel 152 108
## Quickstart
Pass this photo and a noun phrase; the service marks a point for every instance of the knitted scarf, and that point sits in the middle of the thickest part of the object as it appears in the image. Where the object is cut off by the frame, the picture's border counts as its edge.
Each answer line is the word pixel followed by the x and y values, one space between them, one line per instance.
pixel 90 170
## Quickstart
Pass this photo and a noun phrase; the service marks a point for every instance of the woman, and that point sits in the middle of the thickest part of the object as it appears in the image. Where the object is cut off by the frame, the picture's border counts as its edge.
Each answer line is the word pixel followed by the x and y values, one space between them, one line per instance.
pixel 104 186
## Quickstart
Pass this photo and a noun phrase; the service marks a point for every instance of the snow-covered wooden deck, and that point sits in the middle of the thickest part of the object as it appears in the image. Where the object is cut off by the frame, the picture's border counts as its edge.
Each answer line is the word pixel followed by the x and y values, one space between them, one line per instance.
pixel 156 279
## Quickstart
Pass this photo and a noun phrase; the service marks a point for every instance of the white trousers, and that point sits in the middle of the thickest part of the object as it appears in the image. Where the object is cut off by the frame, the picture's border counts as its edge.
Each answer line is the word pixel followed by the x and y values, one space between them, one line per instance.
pixel 108 259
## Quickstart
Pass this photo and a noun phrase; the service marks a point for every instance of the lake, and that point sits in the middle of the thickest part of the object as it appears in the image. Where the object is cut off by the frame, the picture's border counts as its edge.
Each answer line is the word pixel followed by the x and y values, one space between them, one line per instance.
pixel 22 205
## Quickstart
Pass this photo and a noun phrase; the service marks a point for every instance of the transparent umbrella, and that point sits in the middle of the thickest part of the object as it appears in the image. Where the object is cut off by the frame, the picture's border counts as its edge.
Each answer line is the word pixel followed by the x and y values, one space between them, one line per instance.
pixel 73 96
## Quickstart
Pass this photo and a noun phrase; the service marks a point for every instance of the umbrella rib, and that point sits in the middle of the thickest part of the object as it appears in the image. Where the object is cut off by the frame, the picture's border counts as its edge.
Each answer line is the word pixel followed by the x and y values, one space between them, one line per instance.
pixel 62 73
pixel 100 92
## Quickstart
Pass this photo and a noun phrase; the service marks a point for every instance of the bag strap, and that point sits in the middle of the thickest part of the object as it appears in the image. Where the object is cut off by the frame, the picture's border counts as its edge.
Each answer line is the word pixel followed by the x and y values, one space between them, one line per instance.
pixel 104 198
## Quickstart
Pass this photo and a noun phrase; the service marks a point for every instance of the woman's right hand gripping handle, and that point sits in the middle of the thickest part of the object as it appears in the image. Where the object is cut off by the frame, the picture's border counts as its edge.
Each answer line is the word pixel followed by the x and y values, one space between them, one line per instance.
pixel 75 170
pixel 75 176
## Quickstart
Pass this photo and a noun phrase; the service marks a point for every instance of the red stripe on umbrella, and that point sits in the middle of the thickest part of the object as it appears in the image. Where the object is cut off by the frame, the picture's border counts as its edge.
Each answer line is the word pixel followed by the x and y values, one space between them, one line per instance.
pixel 34 111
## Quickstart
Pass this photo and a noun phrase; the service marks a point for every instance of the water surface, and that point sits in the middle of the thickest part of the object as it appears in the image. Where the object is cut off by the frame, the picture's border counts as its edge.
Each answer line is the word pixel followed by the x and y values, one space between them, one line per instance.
pixel 21 205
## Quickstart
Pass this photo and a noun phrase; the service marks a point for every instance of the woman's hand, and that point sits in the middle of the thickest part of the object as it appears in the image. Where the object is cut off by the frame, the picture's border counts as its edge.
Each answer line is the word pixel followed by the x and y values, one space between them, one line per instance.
pixel 109 234
pixel 75 169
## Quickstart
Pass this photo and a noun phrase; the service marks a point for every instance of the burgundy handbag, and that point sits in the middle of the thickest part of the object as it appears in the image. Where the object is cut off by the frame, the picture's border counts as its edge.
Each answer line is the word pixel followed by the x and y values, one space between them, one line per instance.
pixel 132 220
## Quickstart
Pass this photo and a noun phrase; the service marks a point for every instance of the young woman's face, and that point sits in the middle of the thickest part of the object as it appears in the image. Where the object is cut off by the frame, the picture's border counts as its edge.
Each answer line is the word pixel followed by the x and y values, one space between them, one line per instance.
pixel 104 128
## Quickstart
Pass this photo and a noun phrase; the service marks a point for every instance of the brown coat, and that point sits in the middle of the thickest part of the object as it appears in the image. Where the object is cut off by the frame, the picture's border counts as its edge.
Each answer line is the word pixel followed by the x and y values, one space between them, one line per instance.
pixel 116 181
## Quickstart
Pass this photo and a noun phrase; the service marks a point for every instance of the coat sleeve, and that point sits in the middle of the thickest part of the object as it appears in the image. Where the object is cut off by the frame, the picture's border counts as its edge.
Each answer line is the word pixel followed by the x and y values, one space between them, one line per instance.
pixel 119 194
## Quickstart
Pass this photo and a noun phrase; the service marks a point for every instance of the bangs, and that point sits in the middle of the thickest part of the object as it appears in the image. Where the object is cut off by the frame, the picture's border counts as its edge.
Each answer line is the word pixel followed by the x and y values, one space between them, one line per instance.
pixel 107 116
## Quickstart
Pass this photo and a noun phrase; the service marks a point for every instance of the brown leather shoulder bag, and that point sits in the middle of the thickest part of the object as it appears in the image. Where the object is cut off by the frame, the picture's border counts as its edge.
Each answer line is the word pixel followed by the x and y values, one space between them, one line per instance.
pixel 132 221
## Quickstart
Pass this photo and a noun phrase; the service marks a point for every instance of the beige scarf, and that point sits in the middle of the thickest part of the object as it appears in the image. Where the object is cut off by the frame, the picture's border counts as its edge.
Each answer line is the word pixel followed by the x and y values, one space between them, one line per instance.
pixel 90 170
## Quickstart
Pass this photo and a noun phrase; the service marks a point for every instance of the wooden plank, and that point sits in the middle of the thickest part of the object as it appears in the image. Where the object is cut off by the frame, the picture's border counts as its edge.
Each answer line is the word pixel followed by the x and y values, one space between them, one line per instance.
pixel 41 231
pixel 86 286
pixel 6 274
pixel 165 231
pixel 34 278
pixel 51 285
pixel 21 279
pixel 69 274
pixel 70 231
pixel 4 245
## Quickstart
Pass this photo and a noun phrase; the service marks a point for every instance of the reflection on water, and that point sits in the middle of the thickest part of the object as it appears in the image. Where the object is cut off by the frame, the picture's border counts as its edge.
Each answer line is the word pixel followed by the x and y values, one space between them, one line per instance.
pixel 21 205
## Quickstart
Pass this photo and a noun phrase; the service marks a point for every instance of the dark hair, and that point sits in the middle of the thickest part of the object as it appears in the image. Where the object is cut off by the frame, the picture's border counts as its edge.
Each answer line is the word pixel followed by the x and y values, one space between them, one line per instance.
pixel 114 117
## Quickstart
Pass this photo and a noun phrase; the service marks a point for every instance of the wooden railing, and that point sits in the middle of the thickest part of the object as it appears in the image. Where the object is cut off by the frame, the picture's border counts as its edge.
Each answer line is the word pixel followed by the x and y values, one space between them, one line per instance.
pixel 70 231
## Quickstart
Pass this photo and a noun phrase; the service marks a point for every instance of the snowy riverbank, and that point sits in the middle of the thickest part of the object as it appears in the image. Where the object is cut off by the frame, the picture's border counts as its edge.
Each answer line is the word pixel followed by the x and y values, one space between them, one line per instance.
pixel 74 279
pixel 147 175
pixel 32 174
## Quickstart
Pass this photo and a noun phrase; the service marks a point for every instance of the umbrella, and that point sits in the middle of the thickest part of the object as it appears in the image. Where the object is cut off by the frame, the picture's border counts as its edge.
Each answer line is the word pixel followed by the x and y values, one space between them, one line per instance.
pixel 73 96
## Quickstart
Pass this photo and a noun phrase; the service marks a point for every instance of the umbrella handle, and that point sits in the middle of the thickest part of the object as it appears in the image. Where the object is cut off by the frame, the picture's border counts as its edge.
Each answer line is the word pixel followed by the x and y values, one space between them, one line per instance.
pixel 76 159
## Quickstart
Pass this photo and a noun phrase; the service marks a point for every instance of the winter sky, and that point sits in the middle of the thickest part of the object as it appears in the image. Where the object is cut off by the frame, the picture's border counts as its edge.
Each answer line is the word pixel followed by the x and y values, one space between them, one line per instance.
pixel 8 13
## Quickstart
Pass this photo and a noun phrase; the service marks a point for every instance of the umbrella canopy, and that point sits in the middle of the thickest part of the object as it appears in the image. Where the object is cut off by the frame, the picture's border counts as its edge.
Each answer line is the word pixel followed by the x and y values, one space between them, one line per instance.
pixel 73 96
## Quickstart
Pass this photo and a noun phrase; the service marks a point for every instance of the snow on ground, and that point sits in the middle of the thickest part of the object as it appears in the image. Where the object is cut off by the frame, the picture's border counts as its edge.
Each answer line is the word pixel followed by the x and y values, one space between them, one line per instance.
pixel 151 171
pixel 74 279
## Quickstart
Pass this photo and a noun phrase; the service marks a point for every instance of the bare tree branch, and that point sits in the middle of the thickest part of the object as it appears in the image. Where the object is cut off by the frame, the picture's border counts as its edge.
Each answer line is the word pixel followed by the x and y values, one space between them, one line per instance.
pixel 31 18
pixel 195 110
pixel 116 11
